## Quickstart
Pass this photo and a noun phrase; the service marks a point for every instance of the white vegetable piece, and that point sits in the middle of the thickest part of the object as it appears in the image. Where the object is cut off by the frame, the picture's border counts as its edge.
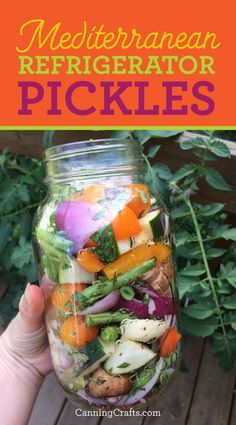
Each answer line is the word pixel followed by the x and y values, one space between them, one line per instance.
pixel 75 274
pixel 128 356
pixel 147 233
pixel 142 330
pixel 124 245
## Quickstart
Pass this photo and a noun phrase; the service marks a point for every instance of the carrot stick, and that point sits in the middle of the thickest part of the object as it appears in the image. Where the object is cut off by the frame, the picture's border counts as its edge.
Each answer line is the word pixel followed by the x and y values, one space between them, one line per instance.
pixel 89 261
pixel 170 341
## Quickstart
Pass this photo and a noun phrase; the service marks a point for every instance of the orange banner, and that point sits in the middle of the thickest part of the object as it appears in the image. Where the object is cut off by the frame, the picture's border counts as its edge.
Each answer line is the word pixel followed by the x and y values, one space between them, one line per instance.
pixel 126 63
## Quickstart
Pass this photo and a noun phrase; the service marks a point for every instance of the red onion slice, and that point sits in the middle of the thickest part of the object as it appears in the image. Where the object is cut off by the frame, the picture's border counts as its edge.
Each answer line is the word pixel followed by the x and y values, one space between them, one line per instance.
pixel 79 222
pixel 158 305
pixel 105 304
pixel 109 401
pixel 134 306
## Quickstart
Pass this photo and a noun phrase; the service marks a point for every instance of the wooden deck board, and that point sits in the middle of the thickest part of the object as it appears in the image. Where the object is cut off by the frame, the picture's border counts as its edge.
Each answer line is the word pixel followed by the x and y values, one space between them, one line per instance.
pixel 232 419
pixel 68 417
pixel 49 403
pixel 213 393
pixel 175 403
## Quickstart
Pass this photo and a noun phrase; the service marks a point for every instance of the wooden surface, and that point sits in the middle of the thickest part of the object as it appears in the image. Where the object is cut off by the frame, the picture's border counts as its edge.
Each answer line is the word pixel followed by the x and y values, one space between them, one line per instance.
pixel 31 143
pixel 203 396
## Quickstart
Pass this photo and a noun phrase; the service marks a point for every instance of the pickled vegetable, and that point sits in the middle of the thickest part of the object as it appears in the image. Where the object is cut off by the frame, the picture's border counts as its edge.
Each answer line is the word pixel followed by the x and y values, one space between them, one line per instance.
pixel 111 315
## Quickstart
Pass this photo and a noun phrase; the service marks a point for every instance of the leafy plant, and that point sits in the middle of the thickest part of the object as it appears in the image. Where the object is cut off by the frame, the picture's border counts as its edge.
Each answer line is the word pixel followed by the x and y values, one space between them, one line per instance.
pixel 21 191
pixel 208 297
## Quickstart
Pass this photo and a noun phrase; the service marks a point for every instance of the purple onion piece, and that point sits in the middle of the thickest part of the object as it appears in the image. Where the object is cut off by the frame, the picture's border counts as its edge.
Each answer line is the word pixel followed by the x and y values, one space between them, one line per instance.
pixel 146 289
pixel 109 401
pixel 60 214
pixel 107 303
pixel 79 220
pixel 158 305
pixel 134 306
pixel 155 207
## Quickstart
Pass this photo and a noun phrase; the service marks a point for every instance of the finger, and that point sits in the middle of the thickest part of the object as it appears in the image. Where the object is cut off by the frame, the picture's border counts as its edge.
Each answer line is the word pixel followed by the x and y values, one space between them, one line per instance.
pixel 26 334
pixel 31 309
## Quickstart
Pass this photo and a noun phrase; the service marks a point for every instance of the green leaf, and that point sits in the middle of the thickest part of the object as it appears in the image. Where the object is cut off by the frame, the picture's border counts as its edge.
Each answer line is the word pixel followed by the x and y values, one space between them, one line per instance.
pixel 106 248
pixel 144 135
pixel 162 171
pixel 215 252
pixel 230 317
pixel 143 196
pixel 197 327
pixel 99 214
pixel 121 134
pixel 22 254
pixel 123 365
pixel 24 194
pixel 184 171
pixel 229 302
pixel 225 351
pixel 211 209
pixel 29 271
pixel 181 211
pixel 194 270
pixel 229 234
pixel 182 237
pixel 5 233
pixel 202 153
pixel 219 149
pixel 185 285
pixel 153 151
pixel 192 143
pixel 190 251
pixel 215 179
pixel 198 311
pixel 228 272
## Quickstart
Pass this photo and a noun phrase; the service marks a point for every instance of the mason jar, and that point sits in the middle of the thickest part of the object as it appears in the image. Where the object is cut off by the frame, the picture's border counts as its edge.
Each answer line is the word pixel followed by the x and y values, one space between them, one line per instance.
pixel 103 245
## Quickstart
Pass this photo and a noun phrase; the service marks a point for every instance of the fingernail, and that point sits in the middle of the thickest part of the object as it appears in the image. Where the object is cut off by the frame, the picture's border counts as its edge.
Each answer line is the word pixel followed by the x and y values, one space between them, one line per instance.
pixel 27 294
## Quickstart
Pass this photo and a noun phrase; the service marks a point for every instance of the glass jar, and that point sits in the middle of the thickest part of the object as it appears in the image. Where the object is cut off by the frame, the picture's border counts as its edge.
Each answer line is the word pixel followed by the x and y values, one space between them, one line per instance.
pixel 103 245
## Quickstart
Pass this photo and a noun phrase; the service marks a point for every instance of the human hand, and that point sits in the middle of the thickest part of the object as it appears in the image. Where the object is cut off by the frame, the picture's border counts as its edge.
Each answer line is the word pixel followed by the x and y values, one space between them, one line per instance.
pixel 24 343
pixel 24 358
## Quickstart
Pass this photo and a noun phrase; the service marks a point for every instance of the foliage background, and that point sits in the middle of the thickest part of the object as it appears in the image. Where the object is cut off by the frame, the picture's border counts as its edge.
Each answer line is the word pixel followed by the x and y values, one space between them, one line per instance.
pixel 207 293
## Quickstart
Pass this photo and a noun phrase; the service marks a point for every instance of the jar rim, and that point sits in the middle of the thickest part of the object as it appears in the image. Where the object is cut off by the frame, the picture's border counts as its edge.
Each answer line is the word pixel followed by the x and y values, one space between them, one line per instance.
pixel 86 146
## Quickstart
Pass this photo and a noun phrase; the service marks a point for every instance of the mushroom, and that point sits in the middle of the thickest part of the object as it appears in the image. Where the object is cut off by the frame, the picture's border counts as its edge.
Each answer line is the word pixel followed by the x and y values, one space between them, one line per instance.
pixel 101 384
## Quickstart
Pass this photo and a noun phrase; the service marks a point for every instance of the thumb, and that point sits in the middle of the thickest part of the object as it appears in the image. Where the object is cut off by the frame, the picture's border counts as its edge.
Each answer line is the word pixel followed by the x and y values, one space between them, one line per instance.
pixel 31 309
pixel 26 335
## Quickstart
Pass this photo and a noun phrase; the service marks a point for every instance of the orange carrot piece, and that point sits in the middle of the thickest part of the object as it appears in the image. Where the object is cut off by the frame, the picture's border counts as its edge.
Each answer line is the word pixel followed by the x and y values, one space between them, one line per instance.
pixel 136 256
pixel 75 332
pixel 126 224
pixel 140 202
pixel 92 193
pixel 62 295
pixel 169 342
pixel 89 261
